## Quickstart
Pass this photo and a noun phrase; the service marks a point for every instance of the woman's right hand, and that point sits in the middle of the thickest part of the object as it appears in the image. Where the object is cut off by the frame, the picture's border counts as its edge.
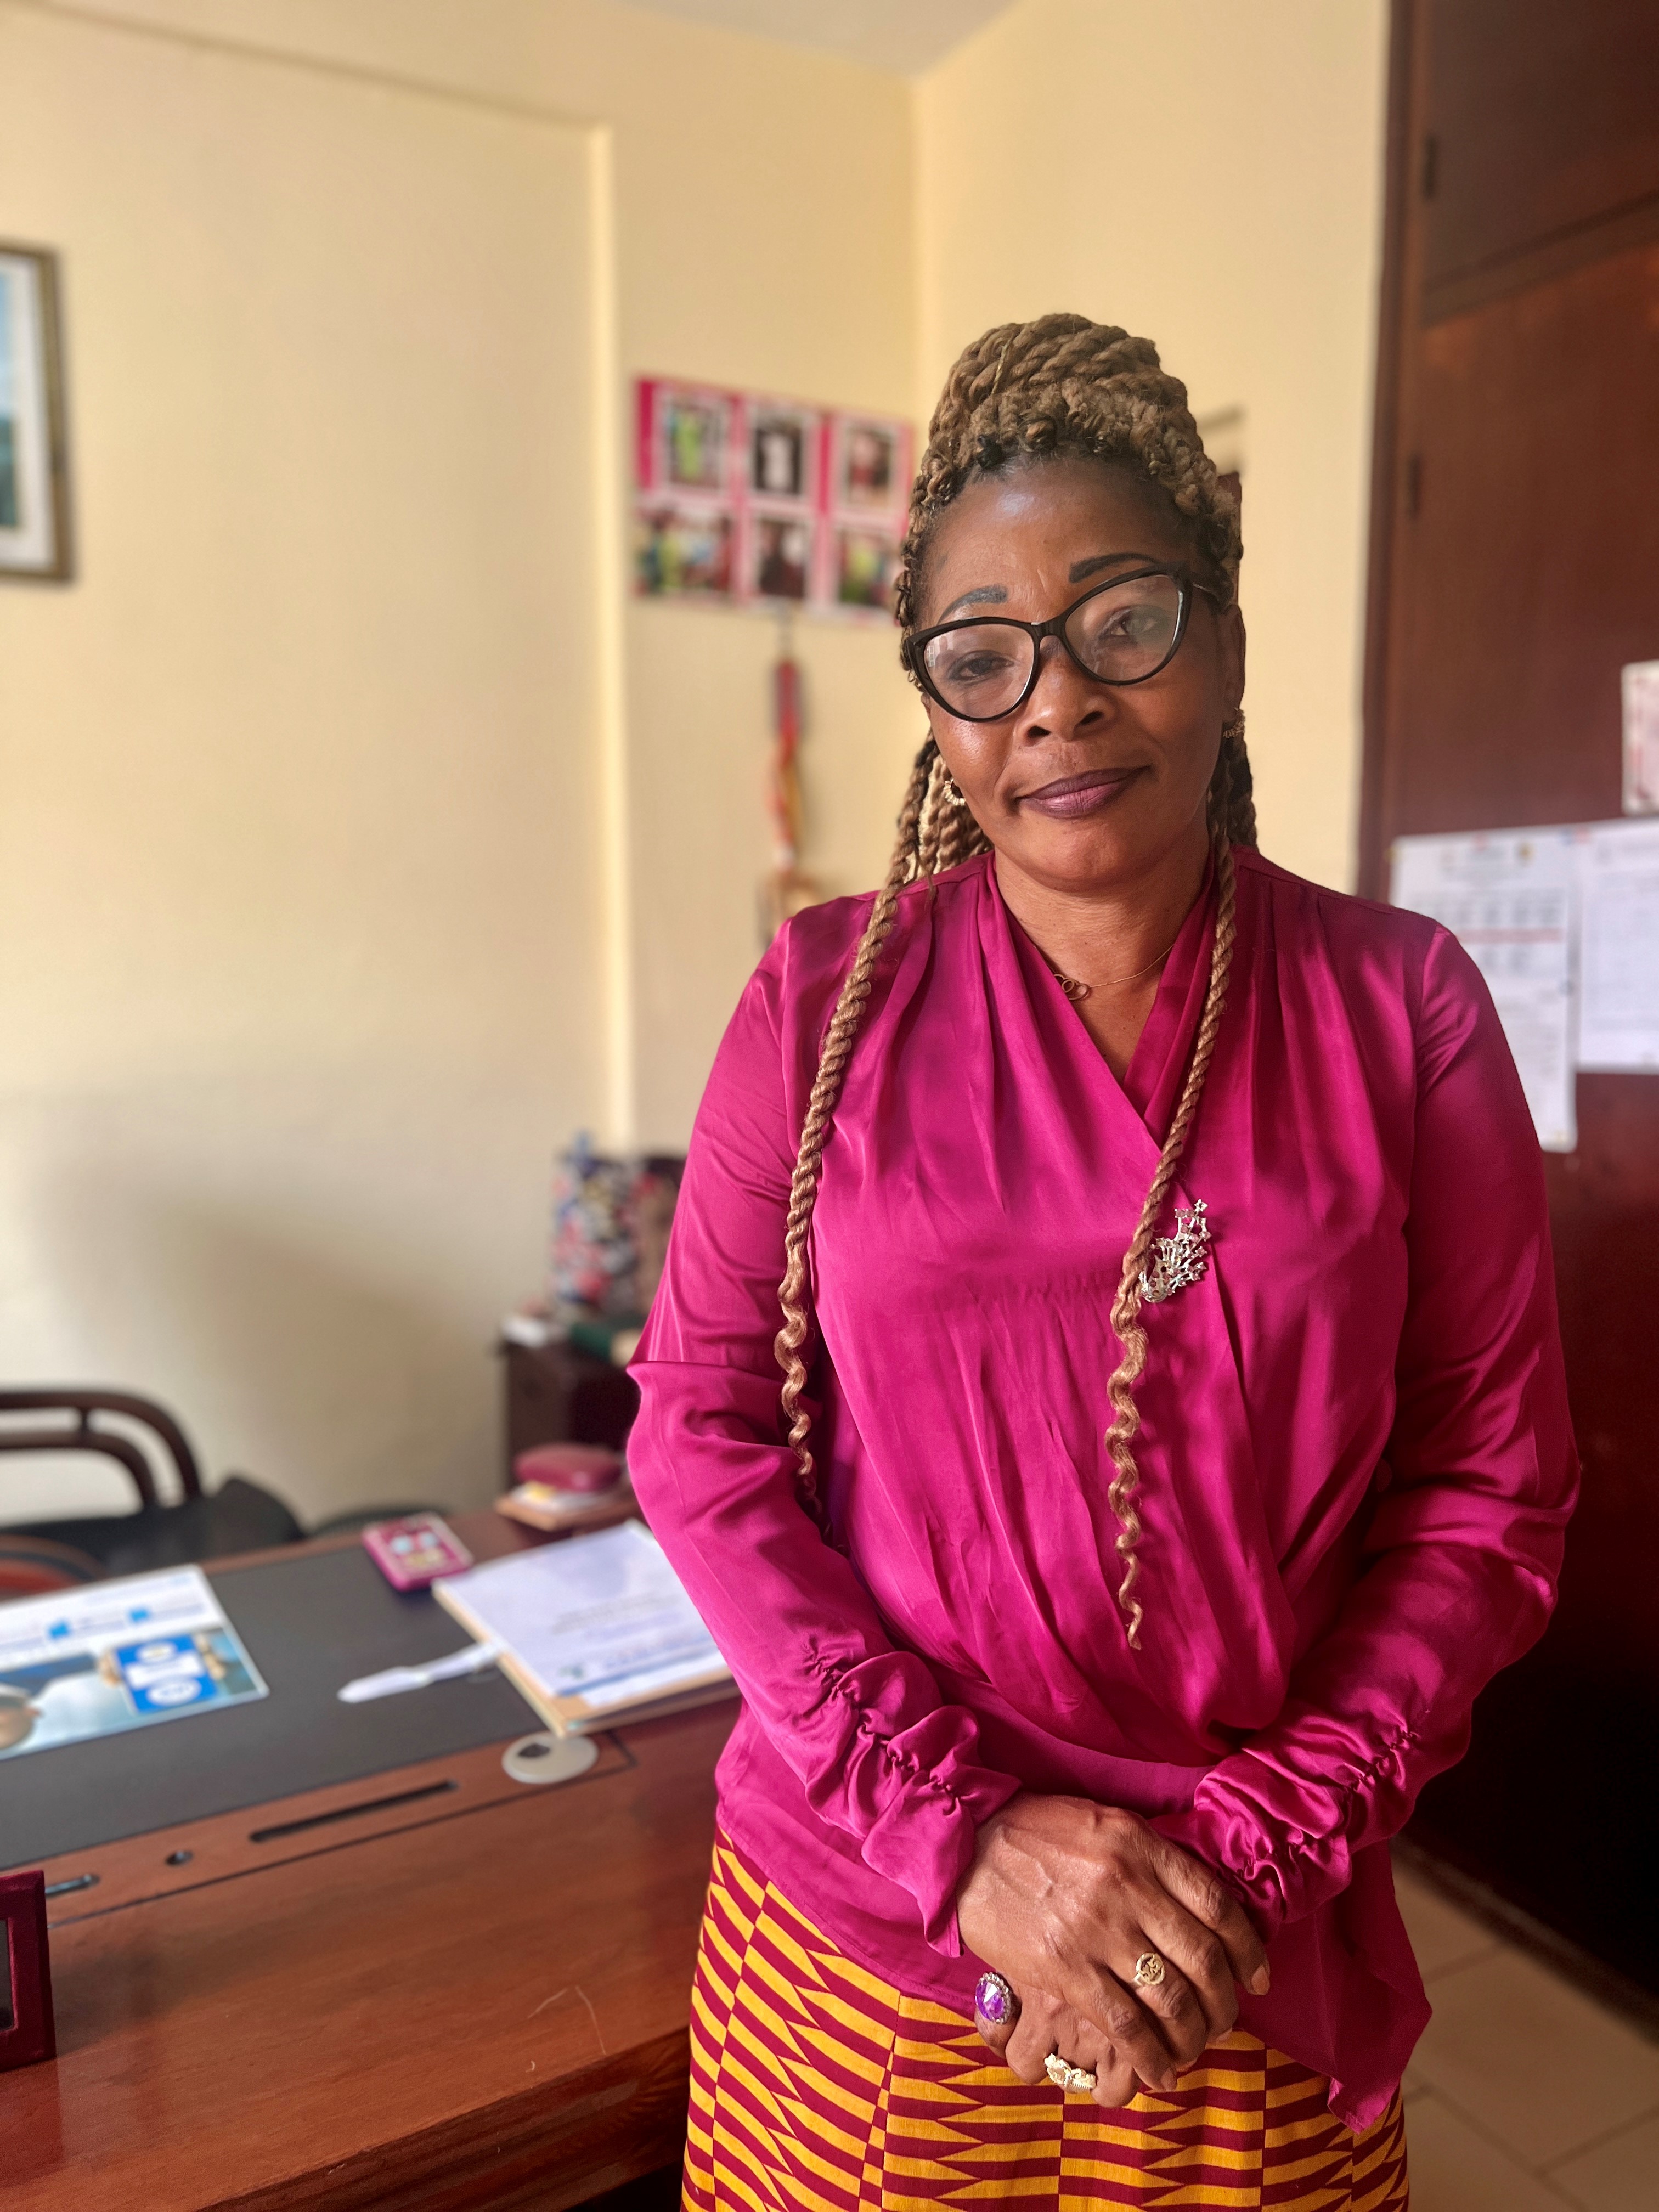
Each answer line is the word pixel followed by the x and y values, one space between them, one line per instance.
pixel 1064 1896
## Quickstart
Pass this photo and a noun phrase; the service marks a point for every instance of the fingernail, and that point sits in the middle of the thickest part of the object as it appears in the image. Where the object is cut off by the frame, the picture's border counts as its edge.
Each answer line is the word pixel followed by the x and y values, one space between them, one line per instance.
pixel 1261 1982
pixel 1170 2081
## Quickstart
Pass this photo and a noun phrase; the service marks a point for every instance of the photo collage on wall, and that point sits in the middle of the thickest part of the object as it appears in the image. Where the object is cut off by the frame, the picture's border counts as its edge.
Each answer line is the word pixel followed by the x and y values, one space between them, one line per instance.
pixel 744 500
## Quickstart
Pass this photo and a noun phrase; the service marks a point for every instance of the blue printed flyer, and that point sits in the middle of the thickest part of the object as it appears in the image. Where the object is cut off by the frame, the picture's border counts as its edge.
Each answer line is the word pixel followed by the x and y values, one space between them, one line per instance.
pixel 110 1656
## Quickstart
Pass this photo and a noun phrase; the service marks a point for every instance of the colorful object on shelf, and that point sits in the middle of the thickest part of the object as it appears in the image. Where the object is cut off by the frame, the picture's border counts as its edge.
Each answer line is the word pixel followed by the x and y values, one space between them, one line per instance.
pixel 610 1236
pixel 743 499
pixel 604 1339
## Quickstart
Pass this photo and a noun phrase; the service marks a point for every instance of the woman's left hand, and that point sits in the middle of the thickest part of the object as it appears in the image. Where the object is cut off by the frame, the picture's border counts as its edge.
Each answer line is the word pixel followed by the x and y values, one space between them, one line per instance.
pixel 1045 2025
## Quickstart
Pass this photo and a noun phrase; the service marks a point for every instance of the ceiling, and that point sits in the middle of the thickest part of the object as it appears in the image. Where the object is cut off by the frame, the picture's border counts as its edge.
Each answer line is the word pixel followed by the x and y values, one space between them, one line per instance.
pixel 903 36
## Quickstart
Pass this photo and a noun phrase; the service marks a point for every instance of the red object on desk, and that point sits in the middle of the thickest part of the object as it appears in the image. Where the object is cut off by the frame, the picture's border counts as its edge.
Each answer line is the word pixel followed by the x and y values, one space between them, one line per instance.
pixel 27 2029
pixel 580 1469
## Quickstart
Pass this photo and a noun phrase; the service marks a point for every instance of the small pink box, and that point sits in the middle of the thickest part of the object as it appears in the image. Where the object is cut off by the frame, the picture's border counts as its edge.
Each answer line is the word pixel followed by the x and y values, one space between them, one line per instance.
pixel 416 1552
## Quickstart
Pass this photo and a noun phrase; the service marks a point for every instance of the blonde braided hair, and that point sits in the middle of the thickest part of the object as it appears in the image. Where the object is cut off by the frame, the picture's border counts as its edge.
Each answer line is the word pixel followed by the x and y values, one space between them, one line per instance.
pixel 1024 392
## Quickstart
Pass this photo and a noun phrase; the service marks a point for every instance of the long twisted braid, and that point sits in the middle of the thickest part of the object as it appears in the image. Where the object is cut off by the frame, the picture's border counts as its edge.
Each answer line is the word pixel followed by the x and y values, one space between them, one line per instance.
pixel 1022 392
pixel 1125 1306
pixel 833 1056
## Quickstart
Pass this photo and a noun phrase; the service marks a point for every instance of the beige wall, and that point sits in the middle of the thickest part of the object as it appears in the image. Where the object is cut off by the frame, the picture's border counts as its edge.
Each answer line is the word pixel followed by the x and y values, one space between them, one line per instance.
pixel 1209 175
pixel 357 841
pixel 359 837
pixel 758 211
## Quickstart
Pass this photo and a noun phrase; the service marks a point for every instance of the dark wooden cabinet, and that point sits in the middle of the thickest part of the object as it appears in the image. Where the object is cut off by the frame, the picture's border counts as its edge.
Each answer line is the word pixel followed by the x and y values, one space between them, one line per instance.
pixel 1515 554
pixel 556 1395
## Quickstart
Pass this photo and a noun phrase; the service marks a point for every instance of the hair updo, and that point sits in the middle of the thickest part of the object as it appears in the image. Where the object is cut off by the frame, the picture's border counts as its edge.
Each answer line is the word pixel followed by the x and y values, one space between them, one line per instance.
pixel 1023 394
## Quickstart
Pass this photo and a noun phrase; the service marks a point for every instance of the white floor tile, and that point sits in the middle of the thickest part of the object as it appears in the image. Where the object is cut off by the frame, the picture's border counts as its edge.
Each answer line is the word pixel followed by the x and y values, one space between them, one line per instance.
pixel 1454 2168
pixel 1441 1936
pixel 1619 2175
pixel 1532 2060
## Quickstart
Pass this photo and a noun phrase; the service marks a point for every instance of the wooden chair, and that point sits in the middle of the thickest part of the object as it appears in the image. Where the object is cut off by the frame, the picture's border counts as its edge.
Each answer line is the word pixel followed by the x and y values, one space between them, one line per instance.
pixel 240 1516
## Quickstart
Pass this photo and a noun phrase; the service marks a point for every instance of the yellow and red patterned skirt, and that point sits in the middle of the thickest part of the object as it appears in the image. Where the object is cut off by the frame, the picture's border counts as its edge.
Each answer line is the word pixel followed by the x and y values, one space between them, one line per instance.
pixel 816 2087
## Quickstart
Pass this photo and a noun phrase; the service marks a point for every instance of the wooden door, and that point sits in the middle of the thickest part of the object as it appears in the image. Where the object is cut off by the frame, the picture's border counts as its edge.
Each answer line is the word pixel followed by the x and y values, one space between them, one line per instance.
pixel 1515 568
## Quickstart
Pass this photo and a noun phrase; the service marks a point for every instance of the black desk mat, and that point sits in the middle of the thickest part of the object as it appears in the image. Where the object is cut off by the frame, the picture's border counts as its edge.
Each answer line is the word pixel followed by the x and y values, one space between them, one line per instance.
pixel 310 1623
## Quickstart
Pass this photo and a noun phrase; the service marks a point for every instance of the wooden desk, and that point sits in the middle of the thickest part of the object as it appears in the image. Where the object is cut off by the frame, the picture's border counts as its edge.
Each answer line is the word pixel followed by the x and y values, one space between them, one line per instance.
pixel 474 1993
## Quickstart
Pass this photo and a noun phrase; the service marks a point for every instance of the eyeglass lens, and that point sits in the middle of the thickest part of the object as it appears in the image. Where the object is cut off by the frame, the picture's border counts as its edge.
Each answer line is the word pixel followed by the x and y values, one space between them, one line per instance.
pixel 1120 634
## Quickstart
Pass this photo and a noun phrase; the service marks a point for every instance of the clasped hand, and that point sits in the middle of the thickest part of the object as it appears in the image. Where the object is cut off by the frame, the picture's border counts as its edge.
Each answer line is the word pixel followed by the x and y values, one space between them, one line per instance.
pixel 1062 1898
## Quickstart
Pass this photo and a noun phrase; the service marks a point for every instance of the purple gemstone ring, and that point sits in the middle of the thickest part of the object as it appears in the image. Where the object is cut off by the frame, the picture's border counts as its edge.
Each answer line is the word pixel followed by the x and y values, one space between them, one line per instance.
pixel 995 2001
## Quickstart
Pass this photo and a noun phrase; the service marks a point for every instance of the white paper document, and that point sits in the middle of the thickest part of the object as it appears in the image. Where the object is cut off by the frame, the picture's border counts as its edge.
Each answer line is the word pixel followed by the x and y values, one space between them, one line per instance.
pixel 603 1618
pixel 1509 898
pixel 1618 947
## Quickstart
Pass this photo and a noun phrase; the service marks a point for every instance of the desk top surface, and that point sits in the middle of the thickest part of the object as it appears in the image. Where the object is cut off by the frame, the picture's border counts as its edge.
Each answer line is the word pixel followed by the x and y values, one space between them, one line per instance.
pixel 463 2010
pixel 311 1619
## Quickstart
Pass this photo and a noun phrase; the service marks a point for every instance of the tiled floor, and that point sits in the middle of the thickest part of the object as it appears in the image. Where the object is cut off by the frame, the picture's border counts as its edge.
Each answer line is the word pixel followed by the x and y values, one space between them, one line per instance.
pixel 1523 2096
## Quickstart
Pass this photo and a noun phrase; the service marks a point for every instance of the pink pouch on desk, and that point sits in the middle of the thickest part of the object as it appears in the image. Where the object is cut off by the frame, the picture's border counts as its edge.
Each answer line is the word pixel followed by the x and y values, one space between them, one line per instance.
pixel 415 1553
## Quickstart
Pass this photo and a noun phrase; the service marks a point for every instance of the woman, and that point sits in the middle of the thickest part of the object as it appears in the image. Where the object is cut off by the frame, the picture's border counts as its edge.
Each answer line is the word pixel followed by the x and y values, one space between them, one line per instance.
pixel 1172 1438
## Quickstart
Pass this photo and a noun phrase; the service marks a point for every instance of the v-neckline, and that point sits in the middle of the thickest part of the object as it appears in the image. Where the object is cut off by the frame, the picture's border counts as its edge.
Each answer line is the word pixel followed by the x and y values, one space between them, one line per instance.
pixel 1150 1085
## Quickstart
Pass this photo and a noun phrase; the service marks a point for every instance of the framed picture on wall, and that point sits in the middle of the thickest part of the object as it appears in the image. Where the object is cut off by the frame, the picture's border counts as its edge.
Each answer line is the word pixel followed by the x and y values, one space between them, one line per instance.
pixel 865 559
pixel 694 431
pixel 780 562
pixel 682 551
pixel 34 541
pixel 868 464
pixel 744 499
pixel 783 450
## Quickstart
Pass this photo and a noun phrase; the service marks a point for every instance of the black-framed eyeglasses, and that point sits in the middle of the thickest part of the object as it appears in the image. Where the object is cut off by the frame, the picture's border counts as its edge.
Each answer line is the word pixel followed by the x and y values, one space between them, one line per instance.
pixel 1124 630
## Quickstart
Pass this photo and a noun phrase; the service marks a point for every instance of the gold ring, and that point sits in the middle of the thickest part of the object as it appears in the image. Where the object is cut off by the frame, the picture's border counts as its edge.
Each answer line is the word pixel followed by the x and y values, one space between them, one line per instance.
pixel 1149 1971
pixel 1076 2081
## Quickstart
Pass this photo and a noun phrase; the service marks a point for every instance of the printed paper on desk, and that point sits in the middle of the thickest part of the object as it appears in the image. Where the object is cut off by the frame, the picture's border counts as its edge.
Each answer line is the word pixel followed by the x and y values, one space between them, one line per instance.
pixel 593 1625
pixel 1509 897
pixel 1618 894
pixel 116 1656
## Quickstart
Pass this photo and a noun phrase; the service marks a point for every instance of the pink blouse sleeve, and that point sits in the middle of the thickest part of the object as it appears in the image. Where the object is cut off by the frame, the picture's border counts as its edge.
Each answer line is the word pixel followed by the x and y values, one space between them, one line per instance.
pixel 879 1753
pixel 1457 1575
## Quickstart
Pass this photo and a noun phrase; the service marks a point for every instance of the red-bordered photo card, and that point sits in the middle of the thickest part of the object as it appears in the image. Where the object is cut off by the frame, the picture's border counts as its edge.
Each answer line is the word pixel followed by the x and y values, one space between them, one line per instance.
pixel 28 2032
pixel 748 500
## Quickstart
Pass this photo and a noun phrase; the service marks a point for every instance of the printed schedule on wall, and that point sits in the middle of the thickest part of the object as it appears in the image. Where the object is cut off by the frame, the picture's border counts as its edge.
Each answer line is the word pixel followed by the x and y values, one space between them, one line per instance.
pixel 1563 922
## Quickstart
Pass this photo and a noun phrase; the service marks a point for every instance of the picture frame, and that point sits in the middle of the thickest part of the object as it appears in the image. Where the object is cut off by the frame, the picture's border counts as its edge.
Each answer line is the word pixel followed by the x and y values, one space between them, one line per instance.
pixel 781 551
pixel 34 507
pixel 692 440
pixel 783 442
pixel 752 501
pixel 866 564
pixel 872 465
pixel 684 550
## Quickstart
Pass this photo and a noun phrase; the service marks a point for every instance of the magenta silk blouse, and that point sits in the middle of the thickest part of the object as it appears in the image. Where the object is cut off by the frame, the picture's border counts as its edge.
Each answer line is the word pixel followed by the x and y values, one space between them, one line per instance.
pixel 1355 1455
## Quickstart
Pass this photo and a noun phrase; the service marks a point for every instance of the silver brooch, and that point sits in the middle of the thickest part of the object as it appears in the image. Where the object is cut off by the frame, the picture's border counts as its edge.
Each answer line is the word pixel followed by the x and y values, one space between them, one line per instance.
pixel 1180 1261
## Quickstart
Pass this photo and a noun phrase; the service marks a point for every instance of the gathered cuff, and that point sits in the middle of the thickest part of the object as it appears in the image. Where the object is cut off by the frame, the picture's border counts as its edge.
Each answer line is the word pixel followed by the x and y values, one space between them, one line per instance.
pixel 1237 1851
pixel 1283 1843
pixel 909 1787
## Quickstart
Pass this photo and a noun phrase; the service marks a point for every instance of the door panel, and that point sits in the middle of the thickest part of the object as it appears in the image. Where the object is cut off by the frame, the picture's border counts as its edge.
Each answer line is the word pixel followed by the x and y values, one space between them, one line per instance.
pixel 1515 546
pixel 1542 118
pixel 1525 579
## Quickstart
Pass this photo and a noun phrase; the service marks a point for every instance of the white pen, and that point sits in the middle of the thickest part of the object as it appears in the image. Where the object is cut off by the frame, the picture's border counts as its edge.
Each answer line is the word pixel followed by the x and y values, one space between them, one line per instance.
pixel 387 1684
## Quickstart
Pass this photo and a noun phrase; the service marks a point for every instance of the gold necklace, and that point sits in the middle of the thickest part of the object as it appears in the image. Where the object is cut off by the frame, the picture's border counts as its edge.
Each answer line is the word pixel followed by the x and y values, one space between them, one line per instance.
pixel 1074 990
